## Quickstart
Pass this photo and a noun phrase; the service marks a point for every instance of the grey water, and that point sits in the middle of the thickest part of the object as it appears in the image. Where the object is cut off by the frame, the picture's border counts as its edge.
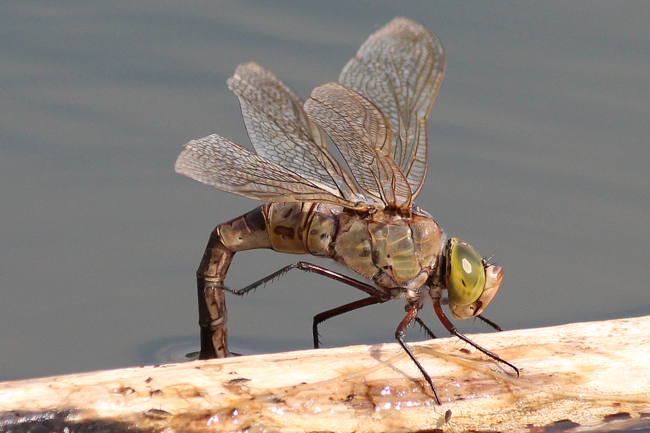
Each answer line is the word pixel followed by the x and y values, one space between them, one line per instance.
pixel 539 154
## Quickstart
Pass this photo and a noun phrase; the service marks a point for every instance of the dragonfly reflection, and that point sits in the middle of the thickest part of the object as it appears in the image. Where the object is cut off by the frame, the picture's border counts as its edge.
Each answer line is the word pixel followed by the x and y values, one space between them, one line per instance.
pixel 362 217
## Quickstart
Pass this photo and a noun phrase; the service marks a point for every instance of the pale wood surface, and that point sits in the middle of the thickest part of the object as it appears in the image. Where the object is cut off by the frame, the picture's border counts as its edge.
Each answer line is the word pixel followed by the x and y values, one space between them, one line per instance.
pixel 578 377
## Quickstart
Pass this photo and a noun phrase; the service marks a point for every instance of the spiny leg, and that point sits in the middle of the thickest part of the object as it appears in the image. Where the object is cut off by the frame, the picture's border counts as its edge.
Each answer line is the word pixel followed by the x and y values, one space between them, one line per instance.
pixel 489 322
pixel 411 315
pixel 376 295
pixel 325 315
pixel 452 330
pixel 424 327
pixel 309 267
pixel 430 334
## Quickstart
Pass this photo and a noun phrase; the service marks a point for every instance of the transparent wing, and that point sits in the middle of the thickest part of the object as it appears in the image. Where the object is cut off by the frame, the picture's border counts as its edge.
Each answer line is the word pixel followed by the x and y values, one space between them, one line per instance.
pixel 218 162
pixel 281 132
pixel 361 134
pixel 399 69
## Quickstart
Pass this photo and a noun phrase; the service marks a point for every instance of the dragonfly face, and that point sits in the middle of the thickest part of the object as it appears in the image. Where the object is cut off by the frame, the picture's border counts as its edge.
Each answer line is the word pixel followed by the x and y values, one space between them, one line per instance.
pixel 361 216
pixel 470 282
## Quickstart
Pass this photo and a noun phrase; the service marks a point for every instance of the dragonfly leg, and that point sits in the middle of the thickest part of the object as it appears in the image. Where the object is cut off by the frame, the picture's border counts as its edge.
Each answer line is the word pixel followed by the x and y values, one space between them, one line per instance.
pixel 376 295
pixel 490 323
pixel 252 287
pixel 310 267
pixel 325 315
pixel 452 330
pixel 424 327
pixel 411 315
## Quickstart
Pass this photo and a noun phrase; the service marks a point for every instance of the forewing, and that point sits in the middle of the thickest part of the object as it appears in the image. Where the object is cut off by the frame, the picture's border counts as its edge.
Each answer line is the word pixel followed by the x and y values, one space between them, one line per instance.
pixel 360 132
pixel 218 162
pixel 281 132
pixel 399 69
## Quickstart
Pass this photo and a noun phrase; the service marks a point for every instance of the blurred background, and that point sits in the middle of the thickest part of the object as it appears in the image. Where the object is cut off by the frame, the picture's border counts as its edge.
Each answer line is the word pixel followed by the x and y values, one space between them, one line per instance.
pixel 538 145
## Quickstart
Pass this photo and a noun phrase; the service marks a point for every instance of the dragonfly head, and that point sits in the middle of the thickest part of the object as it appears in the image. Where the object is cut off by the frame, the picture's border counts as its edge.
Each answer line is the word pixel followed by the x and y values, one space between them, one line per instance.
pixel 471 282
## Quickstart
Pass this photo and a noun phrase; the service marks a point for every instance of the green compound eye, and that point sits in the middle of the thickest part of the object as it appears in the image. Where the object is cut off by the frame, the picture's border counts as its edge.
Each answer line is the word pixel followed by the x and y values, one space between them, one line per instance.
pixel 466 273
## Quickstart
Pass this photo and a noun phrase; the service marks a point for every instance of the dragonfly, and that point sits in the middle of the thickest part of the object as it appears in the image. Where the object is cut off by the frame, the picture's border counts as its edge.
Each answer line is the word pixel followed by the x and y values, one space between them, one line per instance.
pixel 361 214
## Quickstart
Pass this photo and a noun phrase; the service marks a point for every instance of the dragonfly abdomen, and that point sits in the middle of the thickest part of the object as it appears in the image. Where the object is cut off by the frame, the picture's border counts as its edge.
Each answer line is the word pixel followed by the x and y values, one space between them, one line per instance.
pixel 297 228
pixel 293 228
pixel 303 228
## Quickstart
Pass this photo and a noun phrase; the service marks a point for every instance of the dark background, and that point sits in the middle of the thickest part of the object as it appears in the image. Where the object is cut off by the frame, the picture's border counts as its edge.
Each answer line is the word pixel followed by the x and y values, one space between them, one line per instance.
pixel 539 156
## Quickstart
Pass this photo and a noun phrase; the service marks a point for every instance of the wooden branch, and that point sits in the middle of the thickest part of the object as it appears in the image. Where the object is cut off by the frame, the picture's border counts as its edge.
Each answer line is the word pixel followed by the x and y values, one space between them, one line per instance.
pixel 575 377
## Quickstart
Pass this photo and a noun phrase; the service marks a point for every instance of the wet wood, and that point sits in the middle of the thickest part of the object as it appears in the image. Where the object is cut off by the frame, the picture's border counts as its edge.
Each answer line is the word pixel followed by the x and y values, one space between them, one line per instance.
pixel 577 377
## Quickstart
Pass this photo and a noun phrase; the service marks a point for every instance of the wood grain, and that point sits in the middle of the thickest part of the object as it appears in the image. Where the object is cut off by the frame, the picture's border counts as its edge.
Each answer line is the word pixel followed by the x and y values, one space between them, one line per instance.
pixel 578 377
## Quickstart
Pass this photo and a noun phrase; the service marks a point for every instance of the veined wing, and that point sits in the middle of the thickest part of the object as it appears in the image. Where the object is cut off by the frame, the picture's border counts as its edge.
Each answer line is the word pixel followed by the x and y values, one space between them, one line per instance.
pixel 218 162
pixel 281 132
pixel 399 69
pixel 361 133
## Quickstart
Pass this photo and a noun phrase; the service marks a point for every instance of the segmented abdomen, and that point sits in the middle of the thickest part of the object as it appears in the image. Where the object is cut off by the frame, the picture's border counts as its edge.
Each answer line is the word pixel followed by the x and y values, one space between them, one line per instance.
pixel 294 228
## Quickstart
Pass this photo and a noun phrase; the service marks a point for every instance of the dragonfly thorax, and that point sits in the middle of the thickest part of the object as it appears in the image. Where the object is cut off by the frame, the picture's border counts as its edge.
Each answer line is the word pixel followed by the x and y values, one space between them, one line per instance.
pixel 393 250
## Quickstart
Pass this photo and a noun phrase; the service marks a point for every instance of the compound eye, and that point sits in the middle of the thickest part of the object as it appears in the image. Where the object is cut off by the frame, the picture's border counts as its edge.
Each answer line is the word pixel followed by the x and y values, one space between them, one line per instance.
pixel 466 273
